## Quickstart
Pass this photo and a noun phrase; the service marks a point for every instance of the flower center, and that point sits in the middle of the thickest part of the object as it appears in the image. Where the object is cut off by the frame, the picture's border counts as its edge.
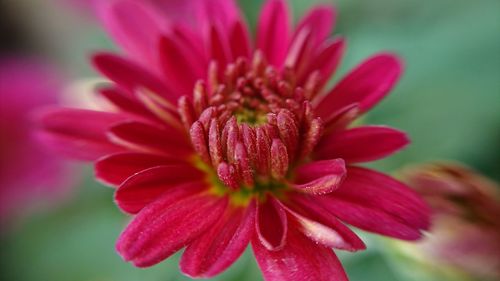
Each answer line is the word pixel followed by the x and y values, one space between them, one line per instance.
pixel 251 124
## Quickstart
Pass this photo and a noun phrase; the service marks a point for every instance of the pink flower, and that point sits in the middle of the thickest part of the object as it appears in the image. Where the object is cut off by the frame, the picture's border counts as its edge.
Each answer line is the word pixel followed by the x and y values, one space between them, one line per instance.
pixel 28 173
pixel 465 233
pixel 218 141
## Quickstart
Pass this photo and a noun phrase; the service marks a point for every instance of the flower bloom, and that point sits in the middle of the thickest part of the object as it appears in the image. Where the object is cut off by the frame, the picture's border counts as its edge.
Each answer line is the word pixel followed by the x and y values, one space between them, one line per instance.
pixel 217 141
pixel 465 233
pixel 27 171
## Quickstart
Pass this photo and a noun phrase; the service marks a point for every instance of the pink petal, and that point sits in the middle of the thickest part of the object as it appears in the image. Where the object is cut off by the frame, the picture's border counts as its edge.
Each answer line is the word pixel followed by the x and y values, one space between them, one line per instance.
pixel 320 177
pixel 299 51
pixel 367 85
pixel 221 246
pixel 221 13
pixel 300 259
pixel 168 224
pixel 177 11
pixel 320 20
pixel 218 48
pixel 320 226
pixel 362 144
pixel 240 40
pixel 132 76
pixel 273 31
pixel 180 69
pixel 193 43
pixel 145 186
pixel 144 137
pixel 341 119
pixel 271 224
pixel 378 203
pixel 134 27
pixel 116 168
pixel 123 101
pixel 78 133
pixel 326 60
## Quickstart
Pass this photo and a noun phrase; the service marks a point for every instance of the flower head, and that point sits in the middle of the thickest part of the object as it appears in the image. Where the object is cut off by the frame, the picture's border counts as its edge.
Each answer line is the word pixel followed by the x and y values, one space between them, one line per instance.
pixel 27 171
pixel 217 141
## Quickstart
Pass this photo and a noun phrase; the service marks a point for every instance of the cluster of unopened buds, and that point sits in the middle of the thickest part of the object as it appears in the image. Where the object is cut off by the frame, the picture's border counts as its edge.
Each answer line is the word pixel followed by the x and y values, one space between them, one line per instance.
pixel 251 126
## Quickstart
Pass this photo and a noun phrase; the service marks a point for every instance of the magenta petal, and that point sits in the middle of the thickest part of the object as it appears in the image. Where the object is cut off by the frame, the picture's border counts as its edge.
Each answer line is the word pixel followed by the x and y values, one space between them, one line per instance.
pixel 299 51
pixel 300 259
pixel 273 31
pixel 179 68
pixel 132 76
pixel 78 133
pixel 326 60
pixel 168 224
pixel 144 137
pixel 362 144
pixel 320 20
pixel 115 168
pixel 341 119
pixel 123 101
pixel 271 224
pixel 240 40
pixel 320 177
pixel 221 246
pixel 222 13
pixel 133 26
pixel 320 226
pixel 218 47
pixel 144 187
pixel 378 203
pixel 367 85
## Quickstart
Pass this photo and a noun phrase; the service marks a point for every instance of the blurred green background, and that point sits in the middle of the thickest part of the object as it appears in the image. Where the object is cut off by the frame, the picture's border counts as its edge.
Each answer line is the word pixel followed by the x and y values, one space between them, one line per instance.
pixel 448 101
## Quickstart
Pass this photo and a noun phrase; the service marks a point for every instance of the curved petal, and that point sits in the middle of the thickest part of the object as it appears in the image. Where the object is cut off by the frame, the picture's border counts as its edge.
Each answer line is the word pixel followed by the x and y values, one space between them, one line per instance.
pixel 273 31
pixel 321 20
pixel 218 48
pixel 341 119
pixel 378 203
pixel 178 66
pixel 240 40
pixel 326 60
pixel 361 144
pixel 132 76
pixel 115 168
pixel 320 177
pixel 223 13
pixel 271 224
pixel 300 259
pixel 367 84
pixel 78 133
pixel 145 186
pixel 123 101
pixel 320 226
pixel 168 224
pixel 145 137
pixel 221 246
pixel 133 26
pixel 299 51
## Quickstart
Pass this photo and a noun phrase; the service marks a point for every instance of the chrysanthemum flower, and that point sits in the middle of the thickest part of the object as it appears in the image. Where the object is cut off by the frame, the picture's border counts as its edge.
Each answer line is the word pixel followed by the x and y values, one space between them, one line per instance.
pixel 29 173
pixel 216 141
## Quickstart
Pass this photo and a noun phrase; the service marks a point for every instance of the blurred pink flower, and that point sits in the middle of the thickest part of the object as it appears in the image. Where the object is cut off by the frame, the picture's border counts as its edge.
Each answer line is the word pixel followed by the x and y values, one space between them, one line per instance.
pixel 216 142
pixel 465 233
pixel 28 173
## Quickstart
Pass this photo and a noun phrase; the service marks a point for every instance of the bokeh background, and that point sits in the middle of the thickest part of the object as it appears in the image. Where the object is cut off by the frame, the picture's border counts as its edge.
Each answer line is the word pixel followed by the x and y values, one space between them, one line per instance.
pixel 448 101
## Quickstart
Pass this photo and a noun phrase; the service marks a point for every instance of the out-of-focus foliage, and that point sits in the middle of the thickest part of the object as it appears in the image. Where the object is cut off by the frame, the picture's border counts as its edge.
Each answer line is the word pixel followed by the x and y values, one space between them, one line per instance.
pixel 448 101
